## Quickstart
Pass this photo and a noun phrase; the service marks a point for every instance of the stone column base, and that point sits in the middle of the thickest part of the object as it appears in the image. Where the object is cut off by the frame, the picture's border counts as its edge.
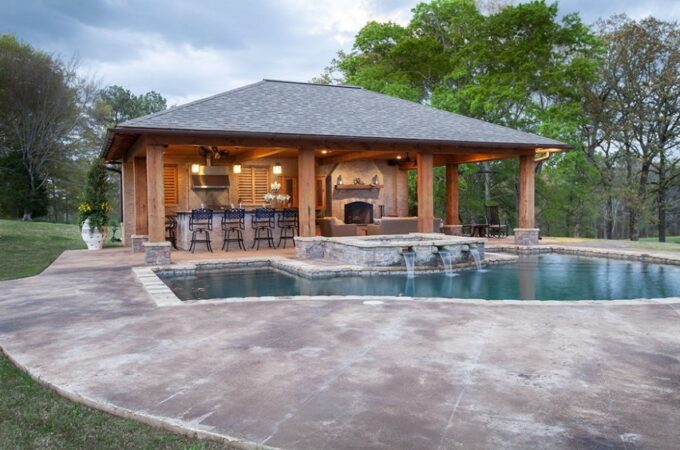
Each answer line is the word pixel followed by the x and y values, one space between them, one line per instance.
pixel 157 253
pixel 453 230
pixel 138 241
pixel 526 236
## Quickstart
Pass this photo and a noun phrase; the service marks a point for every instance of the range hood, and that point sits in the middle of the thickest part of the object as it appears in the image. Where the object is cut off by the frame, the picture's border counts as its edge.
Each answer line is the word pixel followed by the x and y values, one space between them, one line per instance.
pixel 210 177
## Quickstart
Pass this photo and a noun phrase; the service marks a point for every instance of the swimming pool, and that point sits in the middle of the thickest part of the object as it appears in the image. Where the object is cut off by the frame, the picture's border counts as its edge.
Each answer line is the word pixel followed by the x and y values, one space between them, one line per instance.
pixel 532 277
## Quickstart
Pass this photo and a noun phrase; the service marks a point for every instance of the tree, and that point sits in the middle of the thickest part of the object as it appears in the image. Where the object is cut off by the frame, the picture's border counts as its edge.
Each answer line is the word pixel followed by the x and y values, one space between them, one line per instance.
pixel 95 203
pixel 518 66
pixel 643 75
pixel 40 101
pixel 114 105
pixel 14 185
pixel 119 104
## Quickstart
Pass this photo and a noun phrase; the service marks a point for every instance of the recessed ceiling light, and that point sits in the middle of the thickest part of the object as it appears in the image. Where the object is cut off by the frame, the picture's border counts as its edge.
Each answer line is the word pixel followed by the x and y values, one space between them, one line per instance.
pixel 398 156
pixel 323 152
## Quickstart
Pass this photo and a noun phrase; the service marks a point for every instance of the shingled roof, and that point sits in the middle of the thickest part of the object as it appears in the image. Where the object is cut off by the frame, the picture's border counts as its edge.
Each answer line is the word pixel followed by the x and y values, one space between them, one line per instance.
pixel 292 108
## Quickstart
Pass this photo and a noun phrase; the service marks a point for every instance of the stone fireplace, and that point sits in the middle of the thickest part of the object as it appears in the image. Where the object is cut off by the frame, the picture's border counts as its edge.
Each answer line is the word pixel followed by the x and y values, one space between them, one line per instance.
pixel 355 202
pixel 360 213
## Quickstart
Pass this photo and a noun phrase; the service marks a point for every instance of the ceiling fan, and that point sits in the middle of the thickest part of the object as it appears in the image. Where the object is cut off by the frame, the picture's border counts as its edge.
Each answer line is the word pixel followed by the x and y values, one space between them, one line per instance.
pixel 213 152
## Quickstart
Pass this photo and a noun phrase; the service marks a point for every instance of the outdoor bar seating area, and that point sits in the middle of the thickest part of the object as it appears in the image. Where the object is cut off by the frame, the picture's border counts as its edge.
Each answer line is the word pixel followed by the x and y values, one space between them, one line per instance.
pixel 235 228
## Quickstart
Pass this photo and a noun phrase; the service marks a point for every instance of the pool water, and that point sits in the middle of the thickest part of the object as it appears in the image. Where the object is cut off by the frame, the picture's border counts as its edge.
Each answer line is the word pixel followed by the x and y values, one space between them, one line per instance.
pixel 534 277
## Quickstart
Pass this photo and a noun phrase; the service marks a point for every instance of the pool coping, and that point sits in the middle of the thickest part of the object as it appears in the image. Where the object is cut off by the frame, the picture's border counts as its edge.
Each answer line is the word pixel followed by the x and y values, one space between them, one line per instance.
pixel 163 296
pixel 395 240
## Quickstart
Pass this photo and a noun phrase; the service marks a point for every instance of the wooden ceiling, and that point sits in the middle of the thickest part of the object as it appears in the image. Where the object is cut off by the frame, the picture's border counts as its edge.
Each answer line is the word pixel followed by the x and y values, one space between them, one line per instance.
pixel 121 145
pixel 234 154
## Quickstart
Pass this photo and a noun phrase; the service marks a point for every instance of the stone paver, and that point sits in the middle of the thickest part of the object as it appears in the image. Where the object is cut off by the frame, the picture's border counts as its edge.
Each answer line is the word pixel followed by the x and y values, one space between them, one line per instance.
pixel 343 374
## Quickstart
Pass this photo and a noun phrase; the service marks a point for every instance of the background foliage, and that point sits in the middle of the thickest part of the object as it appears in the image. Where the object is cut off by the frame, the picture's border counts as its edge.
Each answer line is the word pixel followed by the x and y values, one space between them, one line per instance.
pixel 609 90
pixel 52 125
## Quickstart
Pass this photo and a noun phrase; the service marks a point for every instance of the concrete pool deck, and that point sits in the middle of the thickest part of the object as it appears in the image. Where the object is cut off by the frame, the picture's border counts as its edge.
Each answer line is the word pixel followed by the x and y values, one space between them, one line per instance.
pixel 343 374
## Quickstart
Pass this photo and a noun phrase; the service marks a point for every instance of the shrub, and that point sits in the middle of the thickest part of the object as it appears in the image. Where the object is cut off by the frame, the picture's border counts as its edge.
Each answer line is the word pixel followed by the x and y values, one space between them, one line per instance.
pixel 95 207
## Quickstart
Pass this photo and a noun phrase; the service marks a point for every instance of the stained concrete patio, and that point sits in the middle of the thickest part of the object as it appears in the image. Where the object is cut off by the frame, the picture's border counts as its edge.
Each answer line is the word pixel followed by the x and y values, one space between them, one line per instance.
pixel 342 374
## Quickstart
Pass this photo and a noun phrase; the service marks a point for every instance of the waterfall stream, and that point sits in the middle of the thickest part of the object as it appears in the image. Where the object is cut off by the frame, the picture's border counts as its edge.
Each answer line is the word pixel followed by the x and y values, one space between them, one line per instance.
pixel 478 261
pixel 409 262
pixel 447 261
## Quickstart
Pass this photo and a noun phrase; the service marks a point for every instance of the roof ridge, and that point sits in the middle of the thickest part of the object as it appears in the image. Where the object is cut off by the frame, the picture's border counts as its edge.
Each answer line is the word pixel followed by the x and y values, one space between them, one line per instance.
pixel 462 115
pixel 309 83
pixel 195 102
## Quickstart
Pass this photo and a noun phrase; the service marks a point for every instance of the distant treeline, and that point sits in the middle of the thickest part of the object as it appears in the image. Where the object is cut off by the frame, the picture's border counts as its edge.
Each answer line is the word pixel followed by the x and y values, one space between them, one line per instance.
pixel 52 123
pixel 610 90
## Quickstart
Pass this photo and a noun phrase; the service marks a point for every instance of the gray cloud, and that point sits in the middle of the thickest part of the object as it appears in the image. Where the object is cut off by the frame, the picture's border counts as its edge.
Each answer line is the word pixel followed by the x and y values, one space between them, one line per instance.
pixel 188 49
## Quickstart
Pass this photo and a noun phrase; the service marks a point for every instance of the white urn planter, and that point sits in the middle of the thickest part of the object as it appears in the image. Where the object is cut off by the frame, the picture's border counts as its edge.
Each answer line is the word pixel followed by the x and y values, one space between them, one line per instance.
pixel 93 238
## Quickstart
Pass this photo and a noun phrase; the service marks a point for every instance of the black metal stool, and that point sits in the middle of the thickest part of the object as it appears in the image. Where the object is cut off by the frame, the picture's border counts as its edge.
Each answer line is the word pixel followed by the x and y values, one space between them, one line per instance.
pixel 233 221
pixel 171 230
pixel 200 223
pixel 288 222
pixel 263 223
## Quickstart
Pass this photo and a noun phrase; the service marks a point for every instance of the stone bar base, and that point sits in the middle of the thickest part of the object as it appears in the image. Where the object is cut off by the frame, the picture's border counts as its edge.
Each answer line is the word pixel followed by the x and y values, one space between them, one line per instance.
pixel 157 253
pixel 138 241
pixel 453 230
pixel 526 236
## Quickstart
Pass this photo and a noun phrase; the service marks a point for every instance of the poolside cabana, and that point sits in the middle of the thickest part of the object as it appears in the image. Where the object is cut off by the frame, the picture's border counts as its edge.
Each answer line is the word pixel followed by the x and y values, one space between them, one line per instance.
pixel 327 146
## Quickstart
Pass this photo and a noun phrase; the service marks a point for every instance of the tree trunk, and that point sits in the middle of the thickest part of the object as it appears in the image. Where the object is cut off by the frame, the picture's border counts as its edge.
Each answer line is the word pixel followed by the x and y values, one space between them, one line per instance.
pixel 642 194
pixel 661 197
pixel 578 215
pixel 487 183
pixel 609 227
pixel 632 222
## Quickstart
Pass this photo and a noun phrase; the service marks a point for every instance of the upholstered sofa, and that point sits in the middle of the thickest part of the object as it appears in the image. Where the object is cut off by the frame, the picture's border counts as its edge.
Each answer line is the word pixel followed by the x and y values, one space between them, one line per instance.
pixel 399 225
pixel 334 227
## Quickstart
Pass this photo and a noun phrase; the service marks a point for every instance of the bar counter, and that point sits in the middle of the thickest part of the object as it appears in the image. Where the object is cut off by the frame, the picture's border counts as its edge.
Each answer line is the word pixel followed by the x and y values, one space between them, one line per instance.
pixel 217 234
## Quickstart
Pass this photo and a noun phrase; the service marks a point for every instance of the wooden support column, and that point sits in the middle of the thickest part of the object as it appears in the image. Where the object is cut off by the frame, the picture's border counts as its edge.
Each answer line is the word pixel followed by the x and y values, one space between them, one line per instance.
pixel 128 201
pixel 140 199
pixel 425 188
pixel 452 211
pixel 526 191
pixel 155 193
pixel 306 191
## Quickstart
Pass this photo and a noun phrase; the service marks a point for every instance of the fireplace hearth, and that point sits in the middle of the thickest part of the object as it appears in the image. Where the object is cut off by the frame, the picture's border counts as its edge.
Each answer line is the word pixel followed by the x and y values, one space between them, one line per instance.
pixel 360 213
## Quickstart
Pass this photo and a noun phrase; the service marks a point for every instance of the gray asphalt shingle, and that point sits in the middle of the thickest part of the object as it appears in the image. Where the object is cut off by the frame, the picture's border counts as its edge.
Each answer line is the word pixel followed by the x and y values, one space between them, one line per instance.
pixel 283 107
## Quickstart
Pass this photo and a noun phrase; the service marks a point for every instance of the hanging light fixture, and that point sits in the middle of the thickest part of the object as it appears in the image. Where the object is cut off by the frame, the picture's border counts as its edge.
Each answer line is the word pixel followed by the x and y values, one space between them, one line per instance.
pixel 236 168
pixel 195 168
pixel 277 169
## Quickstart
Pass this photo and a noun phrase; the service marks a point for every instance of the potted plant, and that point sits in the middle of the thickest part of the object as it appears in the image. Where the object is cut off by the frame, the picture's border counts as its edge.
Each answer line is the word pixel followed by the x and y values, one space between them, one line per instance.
pixel 94 208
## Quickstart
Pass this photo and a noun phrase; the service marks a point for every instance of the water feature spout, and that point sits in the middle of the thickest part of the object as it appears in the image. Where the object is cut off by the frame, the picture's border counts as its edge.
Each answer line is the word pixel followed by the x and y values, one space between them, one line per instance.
pixel 447 261
pixel 409 261
pixel 475 256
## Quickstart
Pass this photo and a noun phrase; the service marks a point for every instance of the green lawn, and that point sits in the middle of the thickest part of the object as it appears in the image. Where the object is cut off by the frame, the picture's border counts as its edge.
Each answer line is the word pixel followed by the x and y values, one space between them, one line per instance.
pixel 33 417
pixel 644 244
pixel 669 239
pixel 28 247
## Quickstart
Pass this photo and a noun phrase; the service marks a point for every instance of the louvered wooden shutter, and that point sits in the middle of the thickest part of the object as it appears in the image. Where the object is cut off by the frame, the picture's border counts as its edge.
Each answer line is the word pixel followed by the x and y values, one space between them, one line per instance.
pixel 253 183
pixel 170 184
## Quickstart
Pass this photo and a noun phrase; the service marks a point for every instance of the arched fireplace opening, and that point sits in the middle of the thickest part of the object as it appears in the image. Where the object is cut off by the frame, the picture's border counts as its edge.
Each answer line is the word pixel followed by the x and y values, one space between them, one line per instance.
pixel 360 213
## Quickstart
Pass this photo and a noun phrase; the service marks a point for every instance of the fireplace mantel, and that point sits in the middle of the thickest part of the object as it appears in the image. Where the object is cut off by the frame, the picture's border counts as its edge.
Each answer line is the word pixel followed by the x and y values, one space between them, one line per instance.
pixel 358 186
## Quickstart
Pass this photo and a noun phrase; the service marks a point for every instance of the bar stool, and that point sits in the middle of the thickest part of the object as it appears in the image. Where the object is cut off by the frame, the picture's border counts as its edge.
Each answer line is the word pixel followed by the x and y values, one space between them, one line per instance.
pixel 171 230
pixel 200 223
pixel 233 221
pixel 263 223
pixel 288 223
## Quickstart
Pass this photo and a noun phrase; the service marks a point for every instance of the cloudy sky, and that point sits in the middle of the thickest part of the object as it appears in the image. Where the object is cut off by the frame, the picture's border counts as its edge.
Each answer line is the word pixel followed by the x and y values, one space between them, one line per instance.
pixel 187 49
